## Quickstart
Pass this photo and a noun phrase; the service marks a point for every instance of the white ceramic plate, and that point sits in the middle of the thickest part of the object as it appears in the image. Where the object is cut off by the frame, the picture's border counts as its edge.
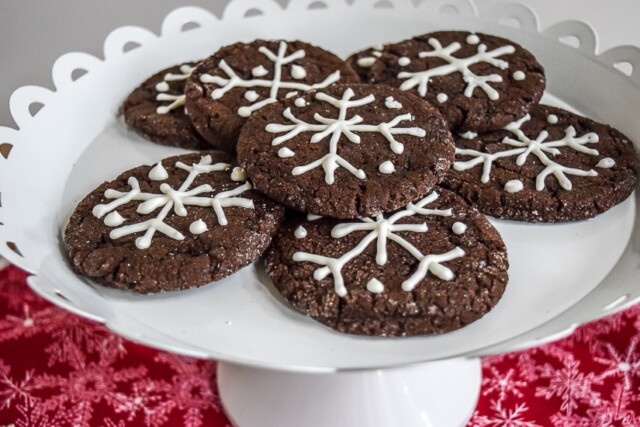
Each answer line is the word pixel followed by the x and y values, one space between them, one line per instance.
pixel 75 142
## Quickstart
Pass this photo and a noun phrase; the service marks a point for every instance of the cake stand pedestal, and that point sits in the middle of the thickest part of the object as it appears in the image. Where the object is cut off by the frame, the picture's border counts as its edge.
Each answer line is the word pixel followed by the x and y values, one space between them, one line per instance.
pixel 442 394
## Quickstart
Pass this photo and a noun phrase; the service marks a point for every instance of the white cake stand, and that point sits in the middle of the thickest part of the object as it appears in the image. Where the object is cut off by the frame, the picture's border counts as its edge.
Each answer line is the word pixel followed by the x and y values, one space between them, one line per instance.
pixel 277 367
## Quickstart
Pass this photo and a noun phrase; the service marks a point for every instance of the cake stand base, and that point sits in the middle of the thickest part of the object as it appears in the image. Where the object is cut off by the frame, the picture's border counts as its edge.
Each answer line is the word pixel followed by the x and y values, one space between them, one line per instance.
pixel 442 394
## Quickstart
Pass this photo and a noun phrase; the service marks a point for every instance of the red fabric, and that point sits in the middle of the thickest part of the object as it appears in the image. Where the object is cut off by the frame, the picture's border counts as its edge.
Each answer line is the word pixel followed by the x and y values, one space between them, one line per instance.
pixel 57 369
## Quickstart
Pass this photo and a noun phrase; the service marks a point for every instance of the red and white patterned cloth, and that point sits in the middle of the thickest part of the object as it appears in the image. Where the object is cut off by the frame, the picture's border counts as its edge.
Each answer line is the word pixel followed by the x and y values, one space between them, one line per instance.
pixel 57 369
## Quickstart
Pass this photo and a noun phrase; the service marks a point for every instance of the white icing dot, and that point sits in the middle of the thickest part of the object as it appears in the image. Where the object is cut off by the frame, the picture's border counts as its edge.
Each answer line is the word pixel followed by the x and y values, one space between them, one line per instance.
pixel 468 135
pixel 386 167
pixel 198 227
pixel 238 174
pixel 312 217
pixel 251 95
pixel 606 163
pixel 300 232
pixel 473 39
pixel 519 75
pixel 259 71
pixel 376 54
pixel 297 72
pixel 442 97
pixel 513 186
pixel 404 61
pixel 291 94
pixel 552 118
pixel 391 103
pixel 375 286
pixel 366 62
pixel 284 152
pixel 300 102
pixel 459 227
pixel 114 219
pixel 162 87
pixel 186 69
pixel 158 173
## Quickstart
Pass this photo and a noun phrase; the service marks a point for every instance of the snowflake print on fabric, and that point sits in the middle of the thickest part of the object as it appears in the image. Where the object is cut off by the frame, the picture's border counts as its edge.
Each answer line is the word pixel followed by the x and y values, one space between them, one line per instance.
pixel 338 127
pixel 64 371
pixel 594 336
pixel 570 384
pixel 615 412
pixel 524 146
pixel 504 385
pixel 90 383
pixel 420 79
pixel 162 87
pixel 501 416
pixel 625 365
pixel 191 388
pixel 10 278
pixel 381 230
pixel 147 397
pixel 277 83
pixel 13 391
pixel 170 199
pixel 29 323
pixel 74 339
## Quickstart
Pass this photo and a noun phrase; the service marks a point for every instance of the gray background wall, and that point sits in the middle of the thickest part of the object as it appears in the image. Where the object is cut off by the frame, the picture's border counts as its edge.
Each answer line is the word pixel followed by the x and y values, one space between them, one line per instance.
pixel 33 33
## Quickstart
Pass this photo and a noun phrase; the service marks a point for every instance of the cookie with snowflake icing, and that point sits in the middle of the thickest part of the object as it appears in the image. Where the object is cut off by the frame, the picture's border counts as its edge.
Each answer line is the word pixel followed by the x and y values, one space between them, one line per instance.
pixel 479 82
pixel 433 266
pixel 155 109
pixel 551 165
pixel 182 223
pixel 346 151
pixel 240 79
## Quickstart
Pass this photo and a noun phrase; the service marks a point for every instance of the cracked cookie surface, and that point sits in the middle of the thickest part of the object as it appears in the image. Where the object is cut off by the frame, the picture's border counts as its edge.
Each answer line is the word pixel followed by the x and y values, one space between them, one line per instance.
pixel 241 78
pixel 432 267
pixel 346 151
pixel 155 109
pixel 550 166
pixel 479 82
pixel 182 223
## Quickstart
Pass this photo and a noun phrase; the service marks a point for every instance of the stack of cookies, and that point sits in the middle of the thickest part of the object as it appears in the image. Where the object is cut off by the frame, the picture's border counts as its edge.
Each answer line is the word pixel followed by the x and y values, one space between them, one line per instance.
pixel 363 182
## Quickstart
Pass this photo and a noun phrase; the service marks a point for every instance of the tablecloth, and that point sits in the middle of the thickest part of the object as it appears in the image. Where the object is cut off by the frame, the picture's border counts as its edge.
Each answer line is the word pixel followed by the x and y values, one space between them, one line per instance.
pixel 57 369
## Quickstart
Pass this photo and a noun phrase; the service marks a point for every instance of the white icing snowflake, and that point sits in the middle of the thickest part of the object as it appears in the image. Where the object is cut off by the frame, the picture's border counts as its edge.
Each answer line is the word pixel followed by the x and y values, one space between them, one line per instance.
pixel 339 127
pixel 421 79
pixel 524 146
pixel 381 230
pixel 162 87
pixel 275 84
pixel 171 199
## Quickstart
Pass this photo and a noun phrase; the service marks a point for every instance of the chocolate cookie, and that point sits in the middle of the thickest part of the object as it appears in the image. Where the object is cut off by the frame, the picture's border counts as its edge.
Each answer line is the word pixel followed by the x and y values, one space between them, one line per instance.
pixel 479 82
pixel 239 79
pixel 346 151
pixel 551 165
pixel 432 267
pixel 187 221
pixel 156 109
